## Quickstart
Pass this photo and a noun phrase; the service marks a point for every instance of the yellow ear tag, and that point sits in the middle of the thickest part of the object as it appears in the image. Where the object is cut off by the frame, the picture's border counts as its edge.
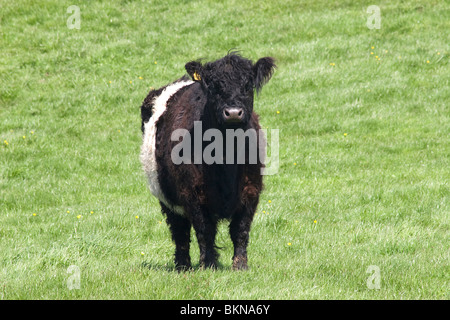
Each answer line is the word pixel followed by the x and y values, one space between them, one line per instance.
pixel 196 76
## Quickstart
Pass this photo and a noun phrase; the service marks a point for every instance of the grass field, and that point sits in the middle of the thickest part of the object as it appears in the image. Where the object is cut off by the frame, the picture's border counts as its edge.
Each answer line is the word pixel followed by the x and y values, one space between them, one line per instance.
pixel 364 124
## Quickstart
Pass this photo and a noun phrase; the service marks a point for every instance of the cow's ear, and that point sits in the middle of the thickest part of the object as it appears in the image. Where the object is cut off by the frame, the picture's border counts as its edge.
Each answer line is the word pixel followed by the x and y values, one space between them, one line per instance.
pixel 195 70
pixel 263 70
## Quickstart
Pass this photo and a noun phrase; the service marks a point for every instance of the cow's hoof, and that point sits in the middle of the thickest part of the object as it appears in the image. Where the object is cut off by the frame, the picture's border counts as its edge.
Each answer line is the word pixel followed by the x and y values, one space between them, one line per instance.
pixel 183 265
pixel 240 263
pixel 183 268
pixel 209 265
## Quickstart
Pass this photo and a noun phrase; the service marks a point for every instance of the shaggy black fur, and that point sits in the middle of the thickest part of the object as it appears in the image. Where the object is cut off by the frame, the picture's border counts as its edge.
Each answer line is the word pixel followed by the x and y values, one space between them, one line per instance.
pixel 209 193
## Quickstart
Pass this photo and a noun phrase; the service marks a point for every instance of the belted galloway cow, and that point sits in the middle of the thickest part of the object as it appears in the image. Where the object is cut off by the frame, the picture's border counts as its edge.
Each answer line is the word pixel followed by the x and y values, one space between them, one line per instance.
pixel 181 125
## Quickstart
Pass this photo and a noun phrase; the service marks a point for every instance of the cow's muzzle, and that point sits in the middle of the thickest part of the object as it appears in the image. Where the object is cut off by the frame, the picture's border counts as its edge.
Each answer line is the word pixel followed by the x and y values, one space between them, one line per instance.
pixel 233 115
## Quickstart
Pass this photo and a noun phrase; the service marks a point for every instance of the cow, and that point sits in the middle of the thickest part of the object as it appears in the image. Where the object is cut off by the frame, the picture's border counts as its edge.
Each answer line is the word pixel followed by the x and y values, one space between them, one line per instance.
pixel 219 95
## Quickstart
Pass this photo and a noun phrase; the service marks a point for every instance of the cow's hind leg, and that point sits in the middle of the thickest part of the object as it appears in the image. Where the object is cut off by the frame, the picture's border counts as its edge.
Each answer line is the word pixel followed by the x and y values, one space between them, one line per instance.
pixel 206 228
pixel 180 228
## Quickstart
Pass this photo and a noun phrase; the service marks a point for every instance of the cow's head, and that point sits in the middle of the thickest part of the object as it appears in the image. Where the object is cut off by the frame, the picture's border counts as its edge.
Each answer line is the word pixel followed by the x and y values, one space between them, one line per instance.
pixel 230 83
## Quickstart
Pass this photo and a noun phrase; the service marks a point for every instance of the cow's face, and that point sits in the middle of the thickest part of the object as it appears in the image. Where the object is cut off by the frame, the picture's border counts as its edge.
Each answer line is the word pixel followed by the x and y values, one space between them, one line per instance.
pixel 230 83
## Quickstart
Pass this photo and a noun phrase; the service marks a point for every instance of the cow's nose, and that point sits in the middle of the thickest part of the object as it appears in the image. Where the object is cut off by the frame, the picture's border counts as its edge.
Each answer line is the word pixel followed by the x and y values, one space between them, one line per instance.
pixel 233 114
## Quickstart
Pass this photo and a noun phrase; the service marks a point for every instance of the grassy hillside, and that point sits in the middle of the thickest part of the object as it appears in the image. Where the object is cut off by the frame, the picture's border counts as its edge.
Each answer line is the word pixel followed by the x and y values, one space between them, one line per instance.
pixel 364 124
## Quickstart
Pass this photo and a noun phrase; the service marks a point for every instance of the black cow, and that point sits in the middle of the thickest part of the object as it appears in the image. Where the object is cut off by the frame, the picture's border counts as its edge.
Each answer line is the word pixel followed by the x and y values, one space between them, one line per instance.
pixel 218 95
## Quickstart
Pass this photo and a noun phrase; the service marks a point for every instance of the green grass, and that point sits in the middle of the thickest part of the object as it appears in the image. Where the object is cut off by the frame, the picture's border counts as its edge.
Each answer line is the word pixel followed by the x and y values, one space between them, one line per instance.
pixel 370 139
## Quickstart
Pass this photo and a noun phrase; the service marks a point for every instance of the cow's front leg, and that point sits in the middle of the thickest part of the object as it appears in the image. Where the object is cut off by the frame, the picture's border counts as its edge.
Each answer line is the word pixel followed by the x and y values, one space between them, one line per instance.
pixel 239 232
pixel 206 228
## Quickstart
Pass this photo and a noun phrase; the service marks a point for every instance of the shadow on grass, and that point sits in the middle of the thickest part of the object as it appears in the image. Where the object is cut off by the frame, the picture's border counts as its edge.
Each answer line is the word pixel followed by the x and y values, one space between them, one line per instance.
pixel 170 267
